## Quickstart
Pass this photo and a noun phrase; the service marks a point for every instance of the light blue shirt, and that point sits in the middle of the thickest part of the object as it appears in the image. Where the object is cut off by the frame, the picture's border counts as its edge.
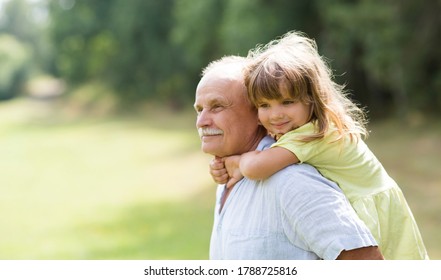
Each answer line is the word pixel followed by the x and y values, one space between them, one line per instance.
pixel 294 214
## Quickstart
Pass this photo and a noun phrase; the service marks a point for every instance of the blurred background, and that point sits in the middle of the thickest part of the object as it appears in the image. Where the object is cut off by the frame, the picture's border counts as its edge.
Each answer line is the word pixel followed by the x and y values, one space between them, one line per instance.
pixel 99 153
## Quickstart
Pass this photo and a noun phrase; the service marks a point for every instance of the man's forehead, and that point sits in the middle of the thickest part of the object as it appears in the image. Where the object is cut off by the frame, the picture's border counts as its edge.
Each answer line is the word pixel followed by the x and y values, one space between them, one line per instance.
pixel 217 85
pixel 210 98
pixel 221 84
pixel 219 80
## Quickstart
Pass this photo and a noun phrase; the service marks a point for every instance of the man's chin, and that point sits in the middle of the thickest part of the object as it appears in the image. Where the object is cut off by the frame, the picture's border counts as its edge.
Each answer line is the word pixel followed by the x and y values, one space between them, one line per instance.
pixel 212 151
pixel 208 150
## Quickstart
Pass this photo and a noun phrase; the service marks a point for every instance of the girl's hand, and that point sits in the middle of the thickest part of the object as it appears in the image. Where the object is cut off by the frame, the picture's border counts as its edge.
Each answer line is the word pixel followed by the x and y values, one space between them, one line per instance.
pixel 232 166
pixel 218 171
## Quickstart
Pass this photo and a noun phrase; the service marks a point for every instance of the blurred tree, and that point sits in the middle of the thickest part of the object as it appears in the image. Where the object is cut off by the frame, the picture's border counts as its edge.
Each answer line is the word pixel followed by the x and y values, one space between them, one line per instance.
pixel 247 23
pixel 25 50
pixel 82 43
pixel 17 19
pixel 145 57
pixel 123 44
pixel 385 61
pixel 196 40
pixel 196 31
pixel 147 49
pixel 14 61
pixel 207 30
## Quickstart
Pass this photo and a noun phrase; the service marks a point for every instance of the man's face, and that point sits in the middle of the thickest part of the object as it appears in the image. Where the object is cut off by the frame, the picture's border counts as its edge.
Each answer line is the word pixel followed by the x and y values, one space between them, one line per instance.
pixel 227 123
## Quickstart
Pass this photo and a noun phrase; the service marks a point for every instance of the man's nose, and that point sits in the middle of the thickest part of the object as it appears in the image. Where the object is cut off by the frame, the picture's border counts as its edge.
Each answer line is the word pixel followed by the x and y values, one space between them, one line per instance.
pixel 203 119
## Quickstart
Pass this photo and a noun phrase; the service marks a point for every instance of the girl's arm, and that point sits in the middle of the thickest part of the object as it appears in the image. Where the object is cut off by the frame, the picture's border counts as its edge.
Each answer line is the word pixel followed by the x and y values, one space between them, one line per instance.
pixel 258 165
pixel 255 165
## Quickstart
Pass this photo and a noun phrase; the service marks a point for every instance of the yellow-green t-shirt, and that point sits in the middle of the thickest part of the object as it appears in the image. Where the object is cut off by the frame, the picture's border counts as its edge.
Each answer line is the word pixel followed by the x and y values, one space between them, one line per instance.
pixel 351 164
pixel 373 194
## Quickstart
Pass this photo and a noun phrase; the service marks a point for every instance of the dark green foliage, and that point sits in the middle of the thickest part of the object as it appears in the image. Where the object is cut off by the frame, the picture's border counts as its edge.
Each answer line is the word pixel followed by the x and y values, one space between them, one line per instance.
pixel 14 59
pixel 21 47
pixel 387 52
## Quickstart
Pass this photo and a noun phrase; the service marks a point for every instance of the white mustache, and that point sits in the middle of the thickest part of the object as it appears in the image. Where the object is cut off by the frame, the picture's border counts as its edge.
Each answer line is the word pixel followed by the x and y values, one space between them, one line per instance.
pixel 205 131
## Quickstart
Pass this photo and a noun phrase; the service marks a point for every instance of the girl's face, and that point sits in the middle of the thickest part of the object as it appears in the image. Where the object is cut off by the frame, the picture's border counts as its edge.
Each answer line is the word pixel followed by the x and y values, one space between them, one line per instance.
pixel 279 116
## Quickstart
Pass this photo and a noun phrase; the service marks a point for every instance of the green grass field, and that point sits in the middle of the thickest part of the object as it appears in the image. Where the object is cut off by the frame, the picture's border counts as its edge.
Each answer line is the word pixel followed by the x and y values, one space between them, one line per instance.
pixel 128 188
pixel 138 187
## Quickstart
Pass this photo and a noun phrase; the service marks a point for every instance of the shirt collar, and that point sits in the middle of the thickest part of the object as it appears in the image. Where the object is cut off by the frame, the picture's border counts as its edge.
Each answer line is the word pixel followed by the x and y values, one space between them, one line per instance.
pixel 265 143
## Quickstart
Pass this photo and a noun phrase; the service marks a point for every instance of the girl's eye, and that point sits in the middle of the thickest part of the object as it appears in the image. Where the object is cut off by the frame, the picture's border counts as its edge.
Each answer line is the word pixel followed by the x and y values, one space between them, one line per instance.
pixel 288 102
pixel 263 105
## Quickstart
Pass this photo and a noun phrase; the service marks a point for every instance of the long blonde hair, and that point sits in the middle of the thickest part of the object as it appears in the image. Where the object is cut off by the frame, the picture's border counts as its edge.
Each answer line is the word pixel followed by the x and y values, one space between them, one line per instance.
pixel 294 62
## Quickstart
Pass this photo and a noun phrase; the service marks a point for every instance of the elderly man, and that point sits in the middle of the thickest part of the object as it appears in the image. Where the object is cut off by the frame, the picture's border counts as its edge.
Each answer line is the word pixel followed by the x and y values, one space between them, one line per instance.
pixel 296 213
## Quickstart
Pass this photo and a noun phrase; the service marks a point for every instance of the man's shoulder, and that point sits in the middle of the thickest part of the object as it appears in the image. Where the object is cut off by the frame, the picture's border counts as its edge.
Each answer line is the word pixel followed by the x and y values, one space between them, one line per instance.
pixel 303 175
pixel 301 169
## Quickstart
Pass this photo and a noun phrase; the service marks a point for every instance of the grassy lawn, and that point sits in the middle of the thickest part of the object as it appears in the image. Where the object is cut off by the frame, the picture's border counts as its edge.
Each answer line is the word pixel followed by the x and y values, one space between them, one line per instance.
pixel 138 188
pixel 101 189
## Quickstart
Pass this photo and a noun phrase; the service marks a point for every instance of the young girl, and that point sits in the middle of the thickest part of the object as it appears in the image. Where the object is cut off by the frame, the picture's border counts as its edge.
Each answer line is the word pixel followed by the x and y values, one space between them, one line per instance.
pixel 314 122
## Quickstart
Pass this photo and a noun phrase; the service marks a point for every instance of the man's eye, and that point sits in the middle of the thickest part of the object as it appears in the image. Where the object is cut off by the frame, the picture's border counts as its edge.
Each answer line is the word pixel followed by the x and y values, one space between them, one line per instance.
pixel 198 110
pixel 216 107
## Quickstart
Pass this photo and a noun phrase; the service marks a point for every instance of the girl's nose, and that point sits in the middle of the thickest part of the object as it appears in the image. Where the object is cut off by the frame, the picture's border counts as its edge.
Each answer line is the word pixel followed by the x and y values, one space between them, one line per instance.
pixel 276 114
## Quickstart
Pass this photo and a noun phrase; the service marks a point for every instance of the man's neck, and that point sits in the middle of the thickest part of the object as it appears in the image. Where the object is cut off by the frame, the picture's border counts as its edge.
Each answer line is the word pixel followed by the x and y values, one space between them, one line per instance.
pixel 261 133
pixel 259 136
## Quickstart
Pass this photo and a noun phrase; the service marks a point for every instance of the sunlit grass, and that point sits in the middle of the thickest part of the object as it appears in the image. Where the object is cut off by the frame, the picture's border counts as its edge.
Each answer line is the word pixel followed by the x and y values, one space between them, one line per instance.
pixel 99 189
